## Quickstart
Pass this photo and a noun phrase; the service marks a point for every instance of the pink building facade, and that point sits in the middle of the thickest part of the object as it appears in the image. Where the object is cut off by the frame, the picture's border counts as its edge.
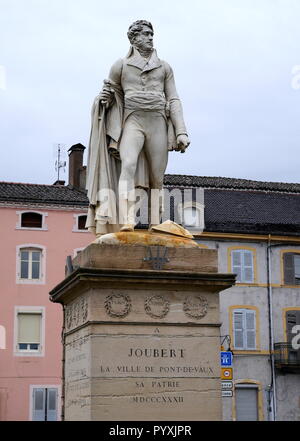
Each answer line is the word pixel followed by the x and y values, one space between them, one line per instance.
pixel 40 226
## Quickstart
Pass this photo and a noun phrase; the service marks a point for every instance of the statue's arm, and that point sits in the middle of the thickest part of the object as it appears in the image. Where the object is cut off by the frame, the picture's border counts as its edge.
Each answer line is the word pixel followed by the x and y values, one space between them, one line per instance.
pixel 107 93
pixel 116 72
pixel 176 112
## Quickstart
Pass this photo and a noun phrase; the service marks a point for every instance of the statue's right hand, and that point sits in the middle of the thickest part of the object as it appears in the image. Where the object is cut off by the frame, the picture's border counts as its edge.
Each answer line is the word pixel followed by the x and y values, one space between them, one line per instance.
pixel 106 96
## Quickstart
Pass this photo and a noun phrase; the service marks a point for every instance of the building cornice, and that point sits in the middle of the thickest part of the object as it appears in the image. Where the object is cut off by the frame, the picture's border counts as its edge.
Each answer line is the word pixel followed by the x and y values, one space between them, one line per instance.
pixel 39 206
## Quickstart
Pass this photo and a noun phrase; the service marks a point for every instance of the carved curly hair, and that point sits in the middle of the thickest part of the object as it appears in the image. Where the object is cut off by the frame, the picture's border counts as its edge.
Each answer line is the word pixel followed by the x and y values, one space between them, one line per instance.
pixel 136 27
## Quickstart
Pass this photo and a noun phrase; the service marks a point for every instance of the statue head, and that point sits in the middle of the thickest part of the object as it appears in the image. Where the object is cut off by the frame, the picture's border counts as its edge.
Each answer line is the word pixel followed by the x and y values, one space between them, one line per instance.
pixel 140 35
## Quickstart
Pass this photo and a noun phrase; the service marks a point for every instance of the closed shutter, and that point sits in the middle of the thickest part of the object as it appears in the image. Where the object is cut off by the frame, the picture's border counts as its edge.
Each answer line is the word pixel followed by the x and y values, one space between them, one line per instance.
pixel 250 321
pixel 289 268
pixel 52 404
pixel 242 265
pixel 244 324
pixel 39 404
pixel 238 330
pixel 246 398
pixel 44 404
pixel 29 326
pixel 248 266
pixel 236 257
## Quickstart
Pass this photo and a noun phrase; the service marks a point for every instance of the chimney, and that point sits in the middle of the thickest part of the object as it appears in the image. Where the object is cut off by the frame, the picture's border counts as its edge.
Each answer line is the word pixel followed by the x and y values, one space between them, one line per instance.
pixel 76 166
pixel 59 183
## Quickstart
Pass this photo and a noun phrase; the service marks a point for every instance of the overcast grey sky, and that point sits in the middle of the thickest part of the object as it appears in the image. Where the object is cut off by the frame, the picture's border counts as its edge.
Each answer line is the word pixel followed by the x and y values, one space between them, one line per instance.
pixel 232 59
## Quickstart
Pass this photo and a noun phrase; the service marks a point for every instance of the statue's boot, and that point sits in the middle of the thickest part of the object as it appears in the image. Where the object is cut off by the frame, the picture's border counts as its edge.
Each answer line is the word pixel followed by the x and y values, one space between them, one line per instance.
pixel 158 220
pixel 129 223
pixel 127 227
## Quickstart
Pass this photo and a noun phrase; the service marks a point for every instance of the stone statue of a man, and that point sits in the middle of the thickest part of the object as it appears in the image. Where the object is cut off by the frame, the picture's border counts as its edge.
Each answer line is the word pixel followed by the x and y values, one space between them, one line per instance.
pixel 136 120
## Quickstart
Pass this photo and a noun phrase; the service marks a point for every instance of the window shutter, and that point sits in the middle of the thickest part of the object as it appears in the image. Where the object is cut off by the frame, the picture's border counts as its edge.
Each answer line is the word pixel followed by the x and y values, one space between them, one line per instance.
pixel 238 330
pixel 291 321
pixel 250 320
pixel 52 404
pixel 236 257
pixel 29 326
pixel 39 400
pixel 248 266
pixel 297 268
pixel 289 269
pixel 246 400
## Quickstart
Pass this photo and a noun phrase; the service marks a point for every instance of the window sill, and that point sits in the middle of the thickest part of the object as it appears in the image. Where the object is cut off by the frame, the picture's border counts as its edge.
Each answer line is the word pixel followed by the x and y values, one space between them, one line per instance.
pixel 247 284
pixel 32 229
pixel 30 282
pixel 28 354
pixel 249 352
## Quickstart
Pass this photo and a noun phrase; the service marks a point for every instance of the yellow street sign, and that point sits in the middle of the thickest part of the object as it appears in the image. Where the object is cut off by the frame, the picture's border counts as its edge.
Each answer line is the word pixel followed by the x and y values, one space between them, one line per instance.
pixel 226 373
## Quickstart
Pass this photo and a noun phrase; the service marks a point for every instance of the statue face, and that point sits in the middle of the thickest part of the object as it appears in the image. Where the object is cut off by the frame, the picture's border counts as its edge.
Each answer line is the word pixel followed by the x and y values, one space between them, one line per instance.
pixel 144 39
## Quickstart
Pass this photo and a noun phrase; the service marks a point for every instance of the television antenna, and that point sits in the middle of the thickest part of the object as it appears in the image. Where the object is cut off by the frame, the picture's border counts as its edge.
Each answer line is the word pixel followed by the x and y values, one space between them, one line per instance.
pixel 60 163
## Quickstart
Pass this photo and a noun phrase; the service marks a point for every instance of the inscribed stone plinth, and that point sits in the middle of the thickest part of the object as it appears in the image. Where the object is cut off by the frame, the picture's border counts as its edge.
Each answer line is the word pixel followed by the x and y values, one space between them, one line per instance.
pixel 142 344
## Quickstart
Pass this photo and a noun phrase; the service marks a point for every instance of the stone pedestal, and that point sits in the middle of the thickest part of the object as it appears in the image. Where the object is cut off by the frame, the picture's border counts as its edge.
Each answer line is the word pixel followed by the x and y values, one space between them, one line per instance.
pixel 142 343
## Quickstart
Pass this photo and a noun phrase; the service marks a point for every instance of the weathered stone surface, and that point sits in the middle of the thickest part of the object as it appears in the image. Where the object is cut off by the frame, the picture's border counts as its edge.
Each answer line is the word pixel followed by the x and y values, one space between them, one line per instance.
pixel 171 227
pixel 141 344
pixel 143 257
pixel 149 239
pixel 159 373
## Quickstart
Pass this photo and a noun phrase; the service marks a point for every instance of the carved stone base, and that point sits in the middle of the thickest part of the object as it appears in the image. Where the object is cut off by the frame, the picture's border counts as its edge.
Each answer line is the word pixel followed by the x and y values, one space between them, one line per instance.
pixel 140 343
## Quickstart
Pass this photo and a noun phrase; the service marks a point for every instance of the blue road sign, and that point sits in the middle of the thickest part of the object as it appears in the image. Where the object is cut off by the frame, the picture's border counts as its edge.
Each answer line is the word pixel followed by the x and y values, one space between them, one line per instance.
pixel 226 358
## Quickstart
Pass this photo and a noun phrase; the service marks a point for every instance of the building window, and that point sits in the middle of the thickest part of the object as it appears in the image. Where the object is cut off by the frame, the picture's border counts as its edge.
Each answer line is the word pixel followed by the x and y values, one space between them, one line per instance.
pixel 2 337
pixel 244 329
pixel 30 264
pixel 44 403
pixel 33 220
pixel 242 264
pixel 29 332
pixel 292 318
pixel 191 215
pixel 291 268
pixel 80 221
pixel 246 402
pixel 292 323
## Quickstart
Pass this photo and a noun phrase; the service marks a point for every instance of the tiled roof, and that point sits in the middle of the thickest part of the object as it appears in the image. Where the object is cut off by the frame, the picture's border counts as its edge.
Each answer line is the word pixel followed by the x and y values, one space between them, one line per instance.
pixel 230 183
pixel 41 194
pixel 231 205
pixel 252 212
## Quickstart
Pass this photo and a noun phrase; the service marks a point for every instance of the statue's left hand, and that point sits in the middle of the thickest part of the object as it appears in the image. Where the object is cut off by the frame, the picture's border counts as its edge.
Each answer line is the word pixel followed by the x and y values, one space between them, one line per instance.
pixel 182 143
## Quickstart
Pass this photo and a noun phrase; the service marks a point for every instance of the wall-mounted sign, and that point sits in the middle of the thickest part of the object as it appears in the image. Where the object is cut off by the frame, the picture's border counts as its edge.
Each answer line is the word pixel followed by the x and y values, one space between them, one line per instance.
pixel 226 393
pixel 226 373
pixel 226 385
pixel 226 358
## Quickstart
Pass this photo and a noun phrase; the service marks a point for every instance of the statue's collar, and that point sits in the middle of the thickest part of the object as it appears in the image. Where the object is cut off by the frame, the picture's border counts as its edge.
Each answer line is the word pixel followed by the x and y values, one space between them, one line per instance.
pixel 134 58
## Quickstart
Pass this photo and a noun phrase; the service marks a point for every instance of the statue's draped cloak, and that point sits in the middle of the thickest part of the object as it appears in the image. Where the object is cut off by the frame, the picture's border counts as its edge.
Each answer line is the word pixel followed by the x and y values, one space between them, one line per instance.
pixel 104 166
